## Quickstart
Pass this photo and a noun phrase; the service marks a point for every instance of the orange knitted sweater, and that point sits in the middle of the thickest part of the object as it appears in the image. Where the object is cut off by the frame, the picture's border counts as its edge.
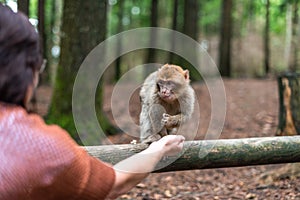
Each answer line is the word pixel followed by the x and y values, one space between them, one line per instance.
pixel 42 162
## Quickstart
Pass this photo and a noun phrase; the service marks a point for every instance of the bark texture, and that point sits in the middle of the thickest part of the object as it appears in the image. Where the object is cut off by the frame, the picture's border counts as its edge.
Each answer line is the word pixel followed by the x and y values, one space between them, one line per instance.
pixel 205 154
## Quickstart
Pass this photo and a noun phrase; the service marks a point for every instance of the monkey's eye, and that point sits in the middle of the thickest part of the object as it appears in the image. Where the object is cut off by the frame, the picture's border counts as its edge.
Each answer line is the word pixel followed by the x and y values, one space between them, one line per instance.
pixel 158 86
pixel 173 84
pixel 160 83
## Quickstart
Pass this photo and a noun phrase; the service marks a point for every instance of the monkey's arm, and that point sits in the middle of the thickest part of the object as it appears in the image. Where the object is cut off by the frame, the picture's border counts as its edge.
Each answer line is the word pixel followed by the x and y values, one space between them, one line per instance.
pixel 150 123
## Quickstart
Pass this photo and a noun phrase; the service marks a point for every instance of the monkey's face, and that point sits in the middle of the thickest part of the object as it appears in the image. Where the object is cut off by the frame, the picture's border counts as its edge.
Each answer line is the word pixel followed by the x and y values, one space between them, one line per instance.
pixel 167 90
pixel 171 82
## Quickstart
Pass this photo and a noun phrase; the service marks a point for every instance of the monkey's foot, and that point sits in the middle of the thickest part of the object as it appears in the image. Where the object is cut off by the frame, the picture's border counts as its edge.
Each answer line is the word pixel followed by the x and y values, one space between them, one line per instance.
pixel 151 138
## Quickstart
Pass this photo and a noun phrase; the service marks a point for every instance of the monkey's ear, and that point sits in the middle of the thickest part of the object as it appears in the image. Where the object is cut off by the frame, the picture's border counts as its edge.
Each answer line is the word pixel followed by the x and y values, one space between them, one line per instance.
pixel 186 74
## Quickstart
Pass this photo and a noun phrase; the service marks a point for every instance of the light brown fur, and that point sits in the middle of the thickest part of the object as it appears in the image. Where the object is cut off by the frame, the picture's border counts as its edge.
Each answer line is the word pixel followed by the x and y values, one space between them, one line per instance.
pixel 167 101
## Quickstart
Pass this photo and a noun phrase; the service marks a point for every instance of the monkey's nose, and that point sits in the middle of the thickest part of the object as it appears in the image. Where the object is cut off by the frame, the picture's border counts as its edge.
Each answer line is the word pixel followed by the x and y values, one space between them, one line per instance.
pixel 166 93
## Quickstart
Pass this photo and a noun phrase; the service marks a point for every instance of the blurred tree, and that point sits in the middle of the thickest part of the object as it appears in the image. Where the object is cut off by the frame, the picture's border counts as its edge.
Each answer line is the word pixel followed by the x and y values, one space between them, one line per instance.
pixel 45 32
pixel 41 25
pixel 83 27
pixel 153 23
pixel 23 6
pixel 185 19
pixel 225 39
pixel 190 24
pixel 209 18
pixel 267 39
pixel 288 34
pixel 190 28
pixel 292 33
pixel 250 7
pixel 49 14
pixel 174 27
pixel 42 34
pixel 53 19
pixel 120 29
pixel 294 66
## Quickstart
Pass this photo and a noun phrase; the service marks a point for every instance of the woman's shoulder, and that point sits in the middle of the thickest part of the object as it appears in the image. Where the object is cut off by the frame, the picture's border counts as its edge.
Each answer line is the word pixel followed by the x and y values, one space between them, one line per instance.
pixel 19 117
pixel 28 129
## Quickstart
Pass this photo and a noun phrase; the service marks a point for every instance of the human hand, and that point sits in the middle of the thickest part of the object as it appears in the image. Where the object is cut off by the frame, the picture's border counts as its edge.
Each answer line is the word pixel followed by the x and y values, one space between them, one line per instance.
pixel 169 145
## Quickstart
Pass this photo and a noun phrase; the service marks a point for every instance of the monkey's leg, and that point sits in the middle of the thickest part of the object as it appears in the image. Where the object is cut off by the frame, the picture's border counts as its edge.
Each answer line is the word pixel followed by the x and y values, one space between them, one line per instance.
pixel 145 123
pixel 150 123
pixel 152 138
pixel 145 128
pixel 173 131
pixel 156 136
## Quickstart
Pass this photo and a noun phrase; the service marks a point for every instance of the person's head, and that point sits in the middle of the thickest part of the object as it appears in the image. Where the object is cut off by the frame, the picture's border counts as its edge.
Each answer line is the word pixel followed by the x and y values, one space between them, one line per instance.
pixel 20 57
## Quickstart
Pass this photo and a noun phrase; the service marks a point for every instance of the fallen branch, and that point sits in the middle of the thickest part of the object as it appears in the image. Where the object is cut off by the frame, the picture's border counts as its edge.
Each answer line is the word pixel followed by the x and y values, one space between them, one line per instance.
pixel 205 154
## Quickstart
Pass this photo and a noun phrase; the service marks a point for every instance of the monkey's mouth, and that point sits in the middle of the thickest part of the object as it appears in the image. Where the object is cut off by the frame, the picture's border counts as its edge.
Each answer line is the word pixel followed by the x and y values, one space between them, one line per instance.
pixel 167 96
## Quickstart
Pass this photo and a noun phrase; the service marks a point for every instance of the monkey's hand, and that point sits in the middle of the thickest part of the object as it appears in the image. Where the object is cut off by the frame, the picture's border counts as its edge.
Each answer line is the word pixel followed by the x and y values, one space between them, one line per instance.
pixel 170 121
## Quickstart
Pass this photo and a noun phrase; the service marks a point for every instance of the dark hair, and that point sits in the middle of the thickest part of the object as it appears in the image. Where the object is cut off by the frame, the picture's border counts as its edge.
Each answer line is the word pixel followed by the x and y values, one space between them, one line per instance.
pixel 20 55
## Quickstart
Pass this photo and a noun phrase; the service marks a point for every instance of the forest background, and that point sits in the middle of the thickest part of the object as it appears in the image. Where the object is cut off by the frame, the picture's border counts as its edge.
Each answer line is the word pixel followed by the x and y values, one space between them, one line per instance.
pixel 252 42
pixel 244 38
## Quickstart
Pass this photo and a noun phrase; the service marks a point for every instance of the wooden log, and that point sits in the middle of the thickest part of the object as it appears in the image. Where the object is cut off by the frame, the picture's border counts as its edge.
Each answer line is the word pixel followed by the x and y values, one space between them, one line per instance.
pixel 289 104
pixel 205 154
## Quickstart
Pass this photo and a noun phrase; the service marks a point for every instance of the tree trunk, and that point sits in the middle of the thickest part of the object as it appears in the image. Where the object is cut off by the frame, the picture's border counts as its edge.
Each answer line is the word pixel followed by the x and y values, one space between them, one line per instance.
pixel 50 25
pixel 23 6
pixel 206 154
pixel 43 38
pixel 41 24
pixel 41 30
pixel 295 37
pixel 54 33
pixel 191 28
pixel 120 29
pixel 190 24
pixel 174 27
pixel 289 104
pixel 225 39
pixel 151 56
pixel 267 39
pixel 83 27
pixel 288 35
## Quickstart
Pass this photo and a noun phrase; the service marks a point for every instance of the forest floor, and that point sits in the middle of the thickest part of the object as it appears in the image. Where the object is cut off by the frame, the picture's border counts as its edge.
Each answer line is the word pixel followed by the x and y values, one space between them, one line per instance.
pixel 252 111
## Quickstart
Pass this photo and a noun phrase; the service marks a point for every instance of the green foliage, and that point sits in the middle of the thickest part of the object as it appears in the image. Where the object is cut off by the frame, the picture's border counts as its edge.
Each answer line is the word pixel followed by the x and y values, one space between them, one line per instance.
pixel 33 9
pixel 209 16
pixel 247 12
pixel 165 13
pixel 136 14
pixel 277 17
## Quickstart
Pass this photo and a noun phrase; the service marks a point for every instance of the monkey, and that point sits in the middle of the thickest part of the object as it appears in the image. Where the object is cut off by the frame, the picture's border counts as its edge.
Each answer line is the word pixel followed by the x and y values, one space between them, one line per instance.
pixel 167 101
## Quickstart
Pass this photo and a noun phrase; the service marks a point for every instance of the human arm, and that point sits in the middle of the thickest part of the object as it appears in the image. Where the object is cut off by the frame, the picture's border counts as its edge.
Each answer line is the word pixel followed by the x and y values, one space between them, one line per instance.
pixel 134 169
